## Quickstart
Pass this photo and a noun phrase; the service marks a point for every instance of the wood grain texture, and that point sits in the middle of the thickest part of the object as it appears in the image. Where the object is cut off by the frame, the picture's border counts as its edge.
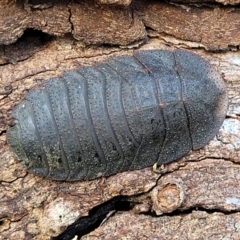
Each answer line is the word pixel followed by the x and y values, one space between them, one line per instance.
pixel 195 225
pixel 35 208
pixel 211 26
pixel 96 24
pixel 214 28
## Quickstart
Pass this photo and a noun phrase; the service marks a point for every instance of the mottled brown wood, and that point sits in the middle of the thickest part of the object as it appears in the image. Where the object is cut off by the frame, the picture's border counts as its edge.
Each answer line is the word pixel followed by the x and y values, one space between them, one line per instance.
pixel 210 26
pixel 213 28
pixel 12 27
pixel 85 20
pixel 123 3
pixel 195 225
pixel 32 207
pixel 202 2
pixel 36 208
pixel 96 24
pixel 209 184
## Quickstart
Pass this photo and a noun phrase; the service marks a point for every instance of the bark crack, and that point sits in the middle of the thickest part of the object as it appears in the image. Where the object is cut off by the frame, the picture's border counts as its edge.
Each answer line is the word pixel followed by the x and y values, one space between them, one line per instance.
pixel 70 18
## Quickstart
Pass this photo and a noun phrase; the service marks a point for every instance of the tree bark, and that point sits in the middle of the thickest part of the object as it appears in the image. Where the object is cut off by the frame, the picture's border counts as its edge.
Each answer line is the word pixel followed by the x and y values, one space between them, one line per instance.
pixel 201 190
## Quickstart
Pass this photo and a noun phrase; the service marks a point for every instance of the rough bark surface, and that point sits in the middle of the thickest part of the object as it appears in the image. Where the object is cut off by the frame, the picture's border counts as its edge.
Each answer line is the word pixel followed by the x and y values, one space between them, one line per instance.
pixel 207 179
pixel 210 26
pixel 202 2
pixel 195 225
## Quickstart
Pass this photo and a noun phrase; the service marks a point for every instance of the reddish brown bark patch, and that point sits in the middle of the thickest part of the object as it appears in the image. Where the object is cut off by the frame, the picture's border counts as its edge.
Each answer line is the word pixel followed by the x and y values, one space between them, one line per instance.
pixel 96 24
pixel 215 28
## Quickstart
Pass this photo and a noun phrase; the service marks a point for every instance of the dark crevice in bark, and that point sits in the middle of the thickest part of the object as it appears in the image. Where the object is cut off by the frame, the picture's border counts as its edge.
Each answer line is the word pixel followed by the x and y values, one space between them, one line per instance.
pixel 3 132
pixel 99 214
pixel 32 5
pixel 14 180
pixel 212 158
pixel 26 46
pixel 85 225
pixel 184 212
pixel 70 18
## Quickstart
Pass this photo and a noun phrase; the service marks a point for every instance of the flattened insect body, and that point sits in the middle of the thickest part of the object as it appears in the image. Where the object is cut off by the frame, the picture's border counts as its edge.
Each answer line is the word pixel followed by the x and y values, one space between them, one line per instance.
pixel 123 114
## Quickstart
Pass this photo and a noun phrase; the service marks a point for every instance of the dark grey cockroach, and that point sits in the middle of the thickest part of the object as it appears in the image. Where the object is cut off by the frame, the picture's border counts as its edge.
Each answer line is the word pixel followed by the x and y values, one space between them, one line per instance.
pixel 124 114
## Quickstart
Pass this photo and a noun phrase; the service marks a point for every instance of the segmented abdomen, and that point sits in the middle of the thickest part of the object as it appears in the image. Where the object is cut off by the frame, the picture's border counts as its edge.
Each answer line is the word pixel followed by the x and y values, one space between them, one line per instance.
pixel 124 114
